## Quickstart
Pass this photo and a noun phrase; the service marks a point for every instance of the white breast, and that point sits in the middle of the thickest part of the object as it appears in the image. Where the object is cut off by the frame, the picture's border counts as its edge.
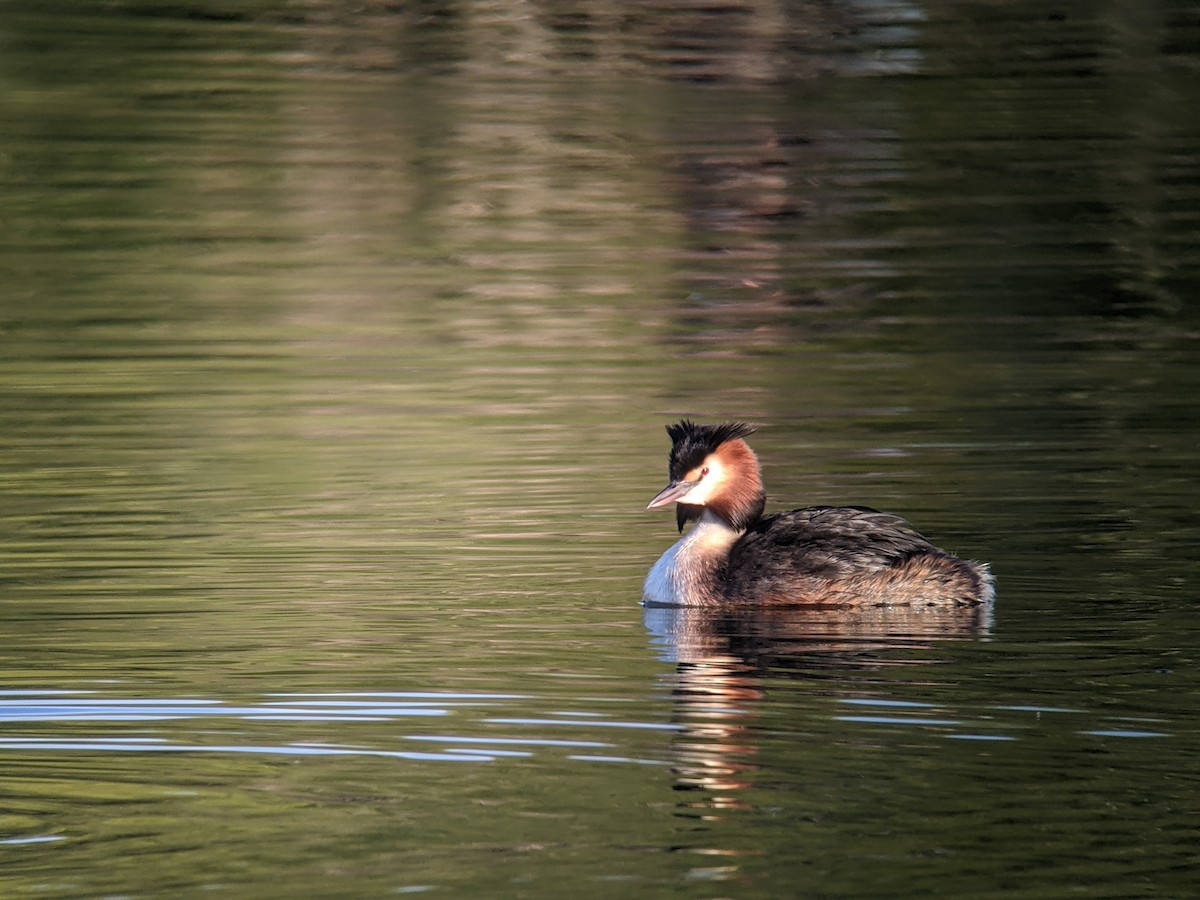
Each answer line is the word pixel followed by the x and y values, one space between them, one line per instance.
pixel 679 576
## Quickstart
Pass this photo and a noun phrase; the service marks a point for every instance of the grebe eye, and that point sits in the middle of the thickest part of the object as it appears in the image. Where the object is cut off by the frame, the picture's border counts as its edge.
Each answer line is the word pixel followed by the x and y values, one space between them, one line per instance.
pixel 704 471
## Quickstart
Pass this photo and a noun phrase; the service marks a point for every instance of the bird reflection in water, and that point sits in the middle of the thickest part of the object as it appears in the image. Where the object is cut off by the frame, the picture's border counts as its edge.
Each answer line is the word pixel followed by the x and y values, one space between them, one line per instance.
pixel 722 656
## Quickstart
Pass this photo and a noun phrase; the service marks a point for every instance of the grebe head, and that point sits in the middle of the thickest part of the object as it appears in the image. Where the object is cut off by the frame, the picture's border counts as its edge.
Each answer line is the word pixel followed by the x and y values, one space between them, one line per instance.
pixel 712 467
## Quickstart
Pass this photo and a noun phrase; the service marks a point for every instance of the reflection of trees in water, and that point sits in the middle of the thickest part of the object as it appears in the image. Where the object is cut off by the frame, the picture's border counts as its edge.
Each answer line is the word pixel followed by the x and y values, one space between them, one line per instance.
pixel 732 41
pixel 584 133
pixel 966 188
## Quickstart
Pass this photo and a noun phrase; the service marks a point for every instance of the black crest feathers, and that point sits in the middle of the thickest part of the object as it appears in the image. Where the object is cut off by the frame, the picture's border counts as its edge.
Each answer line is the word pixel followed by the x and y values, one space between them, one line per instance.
pixel 692 442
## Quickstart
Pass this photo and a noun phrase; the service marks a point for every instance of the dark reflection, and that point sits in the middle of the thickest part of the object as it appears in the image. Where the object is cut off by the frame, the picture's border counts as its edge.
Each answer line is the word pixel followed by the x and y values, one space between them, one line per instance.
pixel 722 656
pixel 788 636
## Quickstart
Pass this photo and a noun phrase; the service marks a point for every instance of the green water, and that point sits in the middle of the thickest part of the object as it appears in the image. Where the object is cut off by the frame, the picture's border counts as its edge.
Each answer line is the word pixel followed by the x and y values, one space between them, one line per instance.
pixel 336 345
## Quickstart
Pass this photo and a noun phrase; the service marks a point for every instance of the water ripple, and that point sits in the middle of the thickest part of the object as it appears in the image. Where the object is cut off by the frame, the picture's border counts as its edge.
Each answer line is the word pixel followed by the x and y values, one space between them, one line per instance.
pixel 986 722
pixel 59 707
pixel 159 745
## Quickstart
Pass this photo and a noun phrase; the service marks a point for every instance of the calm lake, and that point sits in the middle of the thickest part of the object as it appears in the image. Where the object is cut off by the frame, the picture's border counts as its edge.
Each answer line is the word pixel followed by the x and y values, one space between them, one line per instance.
pixel 336 345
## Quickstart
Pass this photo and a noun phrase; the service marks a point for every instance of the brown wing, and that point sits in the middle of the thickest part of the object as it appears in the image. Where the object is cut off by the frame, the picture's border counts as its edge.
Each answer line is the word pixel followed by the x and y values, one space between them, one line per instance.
pixel 825 542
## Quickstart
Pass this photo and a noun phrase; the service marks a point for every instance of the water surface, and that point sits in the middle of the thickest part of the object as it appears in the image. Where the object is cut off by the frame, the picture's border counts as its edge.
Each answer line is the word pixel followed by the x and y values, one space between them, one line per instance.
pixel 337 346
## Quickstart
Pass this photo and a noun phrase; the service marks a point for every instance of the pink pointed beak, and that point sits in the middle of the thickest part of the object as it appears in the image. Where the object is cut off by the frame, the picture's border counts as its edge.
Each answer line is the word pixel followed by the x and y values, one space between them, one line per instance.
pixel 671 493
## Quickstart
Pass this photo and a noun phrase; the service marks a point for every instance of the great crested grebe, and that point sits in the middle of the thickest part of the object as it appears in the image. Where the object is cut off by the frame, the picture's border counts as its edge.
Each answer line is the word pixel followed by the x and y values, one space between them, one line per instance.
pixel 823 555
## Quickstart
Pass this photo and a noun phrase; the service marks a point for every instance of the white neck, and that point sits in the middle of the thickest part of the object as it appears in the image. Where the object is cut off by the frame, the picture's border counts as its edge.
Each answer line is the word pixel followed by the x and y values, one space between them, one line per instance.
pixel 686 574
